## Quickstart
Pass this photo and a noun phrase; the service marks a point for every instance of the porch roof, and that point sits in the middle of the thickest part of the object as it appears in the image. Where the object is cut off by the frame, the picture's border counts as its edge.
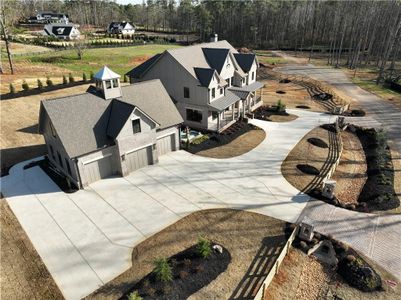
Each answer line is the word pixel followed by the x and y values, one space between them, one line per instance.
pixel 224 102
pixel 248 88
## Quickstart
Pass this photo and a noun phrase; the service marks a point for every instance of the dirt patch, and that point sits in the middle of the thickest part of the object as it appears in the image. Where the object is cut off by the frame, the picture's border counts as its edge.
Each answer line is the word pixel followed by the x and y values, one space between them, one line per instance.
pixel 318 142
pixel 137 60
pixel 305 153
pixel 302 106
pixel 23 273
pixel 308 169
pixel 220 147
pixel 253 241
pixel 295 95
pixel 280 92
pixel 350 174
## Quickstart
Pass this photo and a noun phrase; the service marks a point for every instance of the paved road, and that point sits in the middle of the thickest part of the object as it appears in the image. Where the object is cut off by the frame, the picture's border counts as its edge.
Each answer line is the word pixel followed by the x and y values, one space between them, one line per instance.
pixel 86 238
pixel 387 114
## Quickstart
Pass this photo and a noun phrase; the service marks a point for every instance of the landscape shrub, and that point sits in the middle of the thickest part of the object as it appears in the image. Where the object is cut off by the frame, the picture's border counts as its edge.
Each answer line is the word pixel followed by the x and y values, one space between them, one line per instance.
pixel 91 75
pixel 40 84
pixel 134 296
pixel 150 291
pixel 12 89
pixel 25 85
pixel 318 235
pixel 204 247
pixel 162 269
pixel 350 258
pixel 183 274
pixel 70 78
pixel 199 269
pixel 166 289
pixel 65 79
pixel 303 245
pixel 84 77
pixel 49 82
pixel 187 262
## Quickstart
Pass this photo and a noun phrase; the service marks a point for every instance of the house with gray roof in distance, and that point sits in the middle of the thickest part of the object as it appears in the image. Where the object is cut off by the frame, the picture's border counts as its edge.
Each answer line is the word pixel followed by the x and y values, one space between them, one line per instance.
pixel 62 31
pixel 110 129
pixel 121 28
pixel 211 84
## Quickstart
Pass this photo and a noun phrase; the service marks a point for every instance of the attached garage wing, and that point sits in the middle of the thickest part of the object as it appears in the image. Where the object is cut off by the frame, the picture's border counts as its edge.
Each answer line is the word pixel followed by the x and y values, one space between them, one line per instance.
pixel 166 144
pixel 97 169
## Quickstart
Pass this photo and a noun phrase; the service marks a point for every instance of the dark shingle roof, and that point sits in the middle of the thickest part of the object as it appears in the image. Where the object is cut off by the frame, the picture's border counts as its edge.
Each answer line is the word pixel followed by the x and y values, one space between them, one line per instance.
pixel 204 75
pixel 216 57
pixel 139 70
pixel 87 122
pixel 245 60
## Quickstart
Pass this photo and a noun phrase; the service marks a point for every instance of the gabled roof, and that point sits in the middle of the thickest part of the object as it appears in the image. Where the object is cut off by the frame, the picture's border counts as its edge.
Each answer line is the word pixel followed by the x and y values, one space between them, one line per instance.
pixel 216 57
pixel 87 122
pixel 105 73
pixel 245 60
pixel 139 70
pixel 224 102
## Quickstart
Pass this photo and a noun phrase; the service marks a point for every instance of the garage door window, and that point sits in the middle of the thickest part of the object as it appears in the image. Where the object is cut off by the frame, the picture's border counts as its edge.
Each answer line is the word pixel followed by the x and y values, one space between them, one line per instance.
pixel 194 115
pixel 136 126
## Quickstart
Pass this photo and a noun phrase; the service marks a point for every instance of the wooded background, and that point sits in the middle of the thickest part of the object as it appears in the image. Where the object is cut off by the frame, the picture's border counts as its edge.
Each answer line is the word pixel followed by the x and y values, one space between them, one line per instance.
pixel 363 32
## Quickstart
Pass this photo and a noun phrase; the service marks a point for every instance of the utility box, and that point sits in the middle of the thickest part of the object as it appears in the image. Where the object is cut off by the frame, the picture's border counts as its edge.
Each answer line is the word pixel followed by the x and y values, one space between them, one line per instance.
pixel 306 231
pixel 328 189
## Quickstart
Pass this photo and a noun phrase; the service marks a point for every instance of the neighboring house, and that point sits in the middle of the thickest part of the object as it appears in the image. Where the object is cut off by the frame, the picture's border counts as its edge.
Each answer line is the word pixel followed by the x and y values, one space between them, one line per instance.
pixel 211 84
pixel 109 129
pixel 62 31
pixel 121 28
pixel 49 17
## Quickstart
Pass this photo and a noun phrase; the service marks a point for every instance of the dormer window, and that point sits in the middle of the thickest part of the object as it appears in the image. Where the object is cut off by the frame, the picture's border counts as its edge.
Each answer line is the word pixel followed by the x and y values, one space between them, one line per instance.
pixel 253 75
pixel 213 93
pixel 221 91
pixel 136 126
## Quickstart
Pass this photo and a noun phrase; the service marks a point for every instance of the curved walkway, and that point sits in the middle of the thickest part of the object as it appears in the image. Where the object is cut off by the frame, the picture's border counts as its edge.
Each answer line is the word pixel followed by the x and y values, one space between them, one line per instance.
pixel 86 238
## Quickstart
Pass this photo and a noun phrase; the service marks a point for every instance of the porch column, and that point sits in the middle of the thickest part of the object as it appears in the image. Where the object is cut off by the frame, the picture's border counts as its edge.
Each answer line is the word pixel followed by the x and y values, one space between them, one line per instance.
pixel 218 120
pixel 233 107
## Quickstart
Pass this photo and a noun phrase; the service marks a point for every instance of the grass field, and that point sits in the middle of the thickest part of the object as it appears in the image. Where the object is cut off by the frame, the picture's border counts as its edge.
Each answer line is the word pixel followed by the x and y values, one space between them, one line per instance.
pixel 58 63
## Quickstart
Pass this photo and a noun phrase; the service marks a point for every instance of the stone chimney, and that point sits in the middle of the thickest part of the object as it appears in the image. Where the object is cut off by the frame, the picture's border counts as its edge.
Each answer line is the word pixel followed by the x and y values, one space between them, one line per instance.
pixel 108 82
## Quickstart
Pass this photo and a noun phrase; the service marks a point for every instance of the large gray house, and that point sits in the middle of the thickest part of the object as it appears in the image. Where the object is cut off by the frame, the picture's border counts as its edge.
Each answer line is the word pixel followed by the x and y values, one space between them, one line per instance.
pixel 110 129
pixel 211 84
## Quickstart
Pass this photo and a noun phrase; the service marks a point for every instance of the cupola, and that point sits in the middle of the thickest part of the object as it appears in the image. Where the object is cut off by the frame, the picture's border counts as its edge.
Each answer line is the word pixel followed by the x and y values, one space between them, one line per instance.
pixel 108 82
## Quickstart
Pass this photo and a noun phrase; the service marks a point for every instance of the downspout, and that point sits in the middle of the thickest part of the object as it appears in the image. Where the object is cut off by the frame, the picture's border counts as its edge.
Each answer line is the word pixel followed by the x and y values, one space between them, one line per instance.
pixel 79 174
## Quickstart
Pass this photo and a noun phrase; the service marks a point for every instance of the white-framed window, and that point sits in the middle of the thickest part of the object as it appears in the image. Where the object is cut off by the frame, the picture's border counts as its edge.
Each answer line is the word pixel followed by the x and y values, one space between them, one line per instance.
pixel 194 115
pixel 213 93
pixel 115 82
pixel 108 84
pixel 136 126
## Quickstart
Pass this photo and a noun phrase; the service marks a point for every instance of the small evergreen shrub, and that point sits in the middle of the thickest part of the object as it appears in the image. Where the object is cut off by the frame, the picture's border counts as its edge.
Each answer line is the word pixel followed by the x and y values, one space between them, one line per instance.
pixel 84 77
pixel 65 79
pixel 204 247
pixel 25 85
pixel 49 82
pixel 70 78
pixel 40 84
pixel 162 270
pixel 125 78
pixel 12 89
pixel 134 296
pixel 280 106
pixel 91 75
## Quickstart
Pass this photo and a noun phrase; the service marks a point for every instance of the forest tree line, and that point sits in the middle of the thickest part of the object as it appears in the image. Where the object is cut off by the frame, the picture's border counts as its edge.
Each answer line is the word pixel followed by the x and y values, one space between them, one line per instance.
pixel 362 32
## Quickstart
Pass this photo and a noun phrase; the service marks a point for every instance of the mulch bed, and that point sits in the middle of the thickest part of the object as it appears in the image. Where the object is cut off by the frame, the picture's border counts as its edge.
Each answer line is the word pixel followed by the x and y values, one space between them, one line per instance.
pixel 213 140
pixel 351 266
pixel 270 113
pixel 285 81
pixel 323 96
pixel 308 169
pixel 190 271
pixel 318 142
pixel 355 113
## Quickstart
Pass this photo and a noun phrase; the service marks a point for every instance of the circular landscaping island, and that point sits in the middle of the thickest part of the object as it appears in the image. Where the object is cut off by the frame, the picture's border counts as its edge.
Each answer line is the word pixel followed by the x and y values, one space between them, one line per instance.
pixel 280 92
pixel 318 142
pixel 303 106
pixel 285 80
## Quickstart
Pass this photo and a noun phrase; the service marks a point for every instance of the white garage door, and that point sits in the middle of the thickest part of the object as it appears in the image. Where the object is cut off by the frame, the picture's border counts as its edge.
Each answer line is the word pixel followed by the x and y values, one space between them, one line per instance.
pixel 139 158
pixel 165 144
pixel 98 169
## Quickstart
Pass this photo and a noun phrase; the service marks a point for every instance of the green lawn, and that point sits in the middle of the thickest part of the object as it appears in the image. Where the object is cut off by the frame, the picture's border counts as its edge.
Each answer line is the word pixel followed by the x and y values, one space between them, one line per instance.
pixel 119 59
pixel 266 57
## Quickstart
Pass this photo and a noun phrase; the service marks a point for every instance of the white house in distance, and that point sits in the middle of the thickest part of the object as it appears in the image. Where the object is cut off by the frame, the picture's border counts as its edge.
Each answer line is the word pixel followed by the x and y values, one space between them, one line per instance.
pixel 121 28
pixel 49 17
pixel 211 84
pixel 62 31
pixel 110 129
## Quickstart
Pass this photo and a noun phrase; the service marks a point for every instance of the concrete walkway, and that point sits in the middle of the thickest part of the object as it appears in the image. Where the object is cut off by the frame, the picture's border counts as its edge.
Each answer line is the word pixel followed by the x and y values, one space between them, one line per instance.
pixel 86 238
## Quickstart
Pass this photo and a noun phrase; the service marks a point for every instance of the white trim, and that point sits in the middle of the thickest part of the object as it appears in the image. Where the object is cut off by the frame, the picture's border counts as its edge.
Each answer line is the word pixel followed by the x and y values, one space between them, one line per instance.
pixel 139 148
pixel 96 159
pixel 167 134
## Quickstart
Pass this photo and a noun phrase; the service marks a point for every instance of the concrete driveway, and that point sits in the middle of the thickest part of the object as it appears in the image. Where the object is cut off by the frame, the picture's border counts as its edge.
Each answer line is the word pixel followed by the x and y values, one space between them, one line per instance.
pixel 86 238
